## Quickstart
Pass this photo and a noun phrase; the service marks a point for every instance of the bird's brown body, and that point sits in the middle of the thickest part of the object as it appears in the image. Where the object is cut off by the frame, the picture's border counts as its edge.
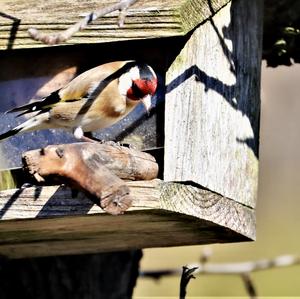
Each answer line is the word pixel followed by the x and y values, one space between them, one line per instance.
pixel 96 99
pixel 108 107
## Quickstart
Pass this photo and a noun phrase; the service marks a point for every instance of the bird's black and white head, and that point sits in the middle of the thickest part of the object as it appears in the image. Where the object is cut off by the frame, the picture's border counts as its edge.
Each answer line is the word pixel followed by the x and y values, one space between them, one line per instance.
pixel 139 83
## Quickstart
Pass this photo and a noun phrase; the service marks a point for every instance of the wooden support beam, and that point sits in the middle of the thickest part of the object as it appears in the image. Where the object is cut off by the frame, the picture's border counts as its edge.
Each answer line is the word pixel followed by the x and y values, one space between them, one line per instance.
pixel 54 220
pixel 145 19
pixel 213 105
pixel 31 222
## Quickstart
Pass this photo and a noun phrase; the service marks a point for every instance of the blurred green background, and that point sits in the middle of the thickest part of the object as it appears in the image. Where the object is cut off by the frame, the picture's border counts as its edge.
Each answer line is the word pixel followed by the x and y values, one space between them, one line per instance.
pixel 278 207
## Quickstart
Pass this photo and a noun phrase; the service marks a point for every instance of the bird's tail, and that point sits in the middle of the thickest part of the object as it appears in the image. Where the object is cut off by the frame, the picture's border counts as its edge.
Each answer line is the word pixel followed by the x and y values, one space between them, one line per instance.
pixel 10 133
pixel 31 124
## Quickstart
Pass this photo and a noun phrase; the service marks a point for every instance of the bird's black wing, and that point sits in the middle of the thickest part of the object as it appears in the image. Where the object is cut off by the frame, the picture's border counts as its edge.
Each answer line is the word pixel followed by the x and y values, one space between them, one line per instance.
pixel 38 106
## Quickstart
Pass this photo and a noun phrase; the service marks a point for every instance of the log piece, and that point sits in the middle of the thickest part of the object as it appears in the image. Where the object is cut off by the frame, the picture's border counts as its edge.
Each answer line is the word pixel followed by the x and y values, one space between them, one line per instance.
pixel 96 169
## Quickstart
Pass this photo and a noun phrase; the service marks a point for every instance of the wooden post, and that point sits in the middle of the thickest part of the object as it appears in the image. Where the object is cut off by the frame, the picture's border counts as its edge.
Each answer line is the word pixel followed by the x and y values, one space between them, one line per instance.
pixel 213 105
pixel 106 275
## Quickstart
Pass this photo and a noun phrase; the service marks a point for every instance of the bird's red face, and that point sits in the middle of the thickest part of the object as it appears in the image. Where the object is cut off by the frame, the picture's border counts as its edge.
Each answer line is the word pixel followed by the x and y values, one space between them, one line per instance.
pixel 141 88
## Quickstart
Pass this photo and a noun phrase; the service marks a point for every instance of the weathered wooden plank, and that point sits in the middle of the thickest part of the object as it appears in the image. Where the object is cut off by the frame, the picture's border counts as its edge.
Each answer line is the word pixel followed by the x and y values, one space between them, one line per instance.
pixel 135 230
pixel 31 222
pixel 213 105
pixel 53 201
pixel 215 147
pixel 145 19
pixel 204 204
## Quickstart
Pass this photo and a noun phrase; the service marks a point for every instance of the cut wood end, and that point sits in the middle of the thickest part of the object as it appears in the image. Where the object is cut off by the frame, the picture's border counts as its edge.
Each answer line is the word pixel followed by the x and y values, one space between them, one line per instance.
pixel 118 202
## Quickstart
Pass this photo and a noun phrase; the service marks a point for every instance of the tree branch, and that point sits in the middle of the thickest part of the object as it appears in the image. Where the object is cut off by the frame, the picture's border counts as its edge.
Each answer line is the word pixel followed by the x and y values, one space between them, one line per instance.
pixel 53 39
pixel 186 276
pixel 243 269
pixel 249 285
pixel 229 268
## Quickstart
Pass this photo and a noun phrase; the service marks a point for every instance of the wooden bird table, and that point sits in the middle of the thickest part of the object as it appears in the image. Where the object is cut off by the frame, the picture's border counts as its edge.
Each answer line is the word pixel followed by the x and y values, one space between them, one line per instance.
pixel 207 56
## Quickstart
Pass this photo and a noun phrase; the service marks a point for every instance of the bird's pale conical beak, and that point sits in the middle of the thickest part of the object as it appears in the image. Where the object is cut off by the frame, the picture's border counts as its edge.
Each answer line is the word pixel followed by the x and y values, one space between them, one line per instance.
pixel 147 102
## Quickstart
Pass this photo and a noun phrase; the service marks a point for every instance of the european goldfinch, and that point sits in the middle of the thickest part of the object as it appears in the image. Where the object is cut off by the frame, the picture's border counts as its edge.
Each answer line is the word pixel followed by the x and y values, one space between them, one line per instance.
pixel 95 99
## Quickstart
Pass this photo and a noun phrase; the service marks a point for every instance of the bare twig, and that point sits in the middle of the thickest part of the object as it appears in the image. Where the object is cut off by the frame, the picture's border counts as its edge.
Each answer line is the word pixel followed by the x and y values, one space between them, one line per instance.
pixel 230 268
pixel 186 276
pixel 249 285
pixel 52 39
pixel 243 269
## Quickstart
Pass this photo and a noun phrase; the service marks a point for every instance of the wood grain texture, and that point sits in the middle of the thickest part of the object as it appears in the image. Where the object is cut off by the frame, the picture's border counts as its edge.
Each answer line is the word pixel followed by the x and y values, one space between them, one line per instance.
pixel 53 201
pixel 211 135
pixel 82 235
pixel 162 214
pixel 94 168
pixel 204 204
pixel 145 19
pixel 213 105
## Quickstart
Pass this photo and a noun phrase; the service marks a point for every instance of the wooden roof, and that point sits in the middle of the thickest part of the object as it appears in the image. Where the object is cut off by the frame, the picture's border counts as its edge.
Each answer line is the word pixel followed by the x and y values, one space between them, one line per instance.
pixel 145 19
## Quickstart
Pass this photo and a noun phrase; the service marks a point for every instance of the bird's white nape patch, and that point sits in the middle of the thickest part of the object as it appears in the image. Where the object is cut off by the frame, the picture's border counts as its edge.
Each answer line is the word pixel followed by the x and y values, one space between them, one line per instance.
pixel 125 80
pixel 134 73
pixel 78 133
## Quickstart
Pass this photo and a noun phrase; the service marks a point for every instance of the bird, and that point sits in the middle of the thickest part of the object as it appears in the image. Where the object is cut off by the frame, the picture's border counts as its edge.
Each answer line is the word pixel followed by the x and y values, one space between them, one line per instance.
pixel 95 99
